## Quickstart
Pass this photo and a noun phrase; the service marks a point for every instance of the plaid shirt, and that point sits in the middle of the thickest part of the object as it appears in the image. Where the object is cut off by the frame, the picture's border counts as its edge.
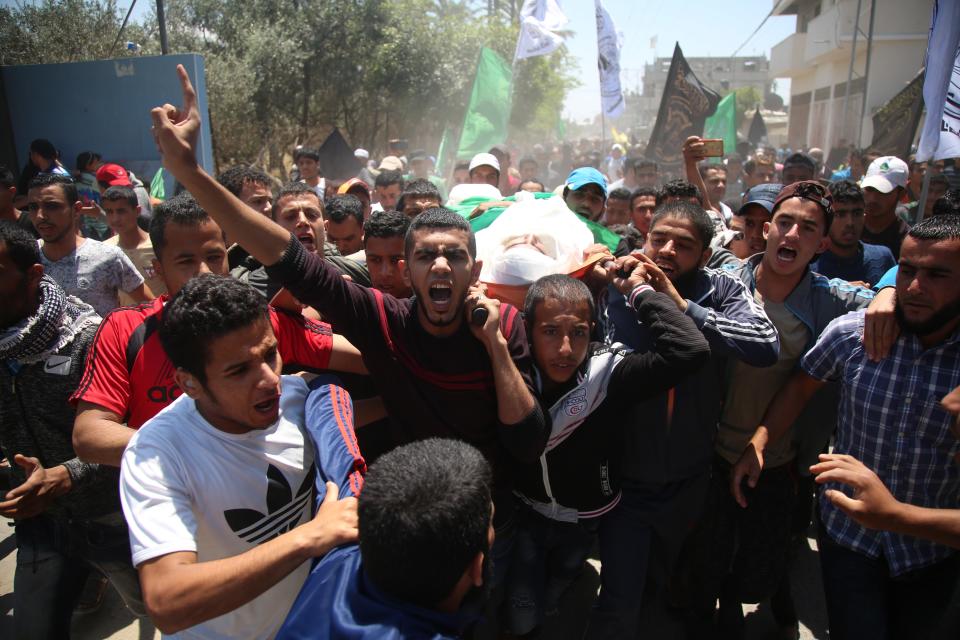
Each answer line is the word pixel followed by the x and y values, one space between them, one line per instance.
pixel 892 421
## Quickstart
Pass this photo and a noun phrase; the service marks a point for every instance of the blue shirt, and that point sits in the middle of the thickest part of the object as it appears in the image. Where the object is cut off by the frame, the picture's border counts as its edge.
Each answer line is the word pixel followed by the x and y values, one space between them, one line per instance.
pixel 338 602
pixel 891 419
pixel 869 265
pixel 842 174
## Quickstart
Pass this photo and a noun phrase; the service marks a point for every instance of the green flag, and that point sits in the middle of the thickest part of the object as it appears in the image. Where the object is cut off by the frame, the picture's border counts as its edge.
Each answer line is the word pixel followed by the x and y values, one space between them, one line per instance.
pixel 723 124
pixel 157 188
pixel 485 123
pixel 443 153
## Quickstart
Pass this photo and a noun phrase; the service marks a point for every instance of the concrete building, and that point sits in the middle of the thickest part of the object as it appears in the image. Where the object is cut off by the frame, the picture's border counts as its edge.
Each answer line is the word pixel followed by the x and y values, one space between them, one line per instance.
pixel 720 74
pixel 817 59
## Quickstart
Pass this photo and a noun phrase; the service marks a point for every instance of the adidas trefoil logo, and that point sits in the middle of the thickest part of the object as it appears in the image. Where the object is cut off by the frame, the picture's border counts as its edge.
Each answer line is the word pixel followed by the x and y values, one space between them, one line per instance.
pixel 283 509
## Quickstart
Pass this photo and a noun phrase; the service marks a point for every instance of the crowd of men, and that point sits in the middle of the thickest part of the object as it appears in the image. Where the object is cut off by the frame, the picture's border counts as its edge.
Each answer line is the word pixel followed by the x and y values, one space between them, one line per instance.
pixel 296 412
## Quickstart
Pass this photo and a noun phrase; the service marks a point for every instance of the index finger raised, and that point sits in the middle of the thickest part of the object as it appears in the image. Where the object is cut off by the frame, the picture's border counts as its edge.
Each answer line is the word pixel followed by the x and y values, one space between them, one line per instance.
pixel 189 94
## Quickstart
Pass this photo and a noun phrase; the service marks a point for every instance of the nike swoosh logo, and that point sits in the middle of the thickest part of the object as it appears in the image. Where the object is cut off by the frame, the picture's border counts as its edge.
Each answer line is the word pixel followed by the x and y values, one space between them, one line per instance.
pixel 57 364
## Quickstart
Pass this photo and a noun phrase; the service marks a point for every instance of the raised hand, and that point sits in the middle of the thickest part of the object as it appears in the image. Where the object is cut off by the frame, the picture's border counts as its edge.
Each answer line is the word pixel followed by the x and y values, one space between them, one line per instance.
pixel 880 327
pixel 175 130
pixel 476 299
pixel 636 274
pixel 660 281
pixel 693 151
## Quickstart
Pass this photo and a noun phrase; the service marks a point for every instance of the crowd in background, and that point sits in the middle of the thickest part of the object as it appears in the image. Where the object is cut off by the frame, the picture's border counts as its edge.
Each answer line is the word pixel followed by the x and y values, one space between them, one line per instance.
pixel 310 410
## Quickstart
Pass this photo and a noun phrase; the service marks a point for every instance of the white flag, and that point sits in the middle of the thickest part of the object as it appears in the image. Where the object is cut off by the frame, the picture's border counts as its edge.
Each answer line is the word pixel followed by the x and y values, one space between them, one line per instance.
pixel 539 20
pixel 940 137
pixel 608 61
pixel 548 12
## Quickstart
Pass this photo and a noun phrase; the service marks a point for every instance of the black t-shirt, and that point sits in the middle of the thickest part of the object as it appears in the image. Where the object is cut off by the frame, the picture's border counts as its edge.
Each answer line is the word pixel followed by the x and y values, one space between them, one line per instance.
pixel 431 386
pixel 891 237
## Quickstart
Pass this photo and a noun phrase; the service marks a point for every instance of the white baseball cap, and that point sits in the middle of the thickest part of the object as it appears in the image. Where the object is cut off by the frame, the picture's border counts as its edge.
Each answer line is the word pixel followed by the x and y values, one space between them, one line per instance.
pixel 885 174
pixel 361 153
pixel 484 159
pixel 466 190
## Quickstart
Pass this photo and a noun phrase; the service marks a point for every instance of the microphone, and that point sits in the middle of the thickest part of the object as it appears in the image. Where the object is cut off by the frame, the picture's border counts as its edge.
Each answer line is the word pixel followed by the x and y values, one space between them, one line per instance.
pixel 479 315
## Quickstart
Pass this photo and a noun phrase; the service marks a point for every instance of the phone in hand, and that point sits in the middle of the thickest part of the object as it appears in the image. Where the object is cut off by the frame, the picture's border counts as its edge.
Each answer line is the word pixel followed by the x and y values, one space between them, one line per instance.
pixel 713 147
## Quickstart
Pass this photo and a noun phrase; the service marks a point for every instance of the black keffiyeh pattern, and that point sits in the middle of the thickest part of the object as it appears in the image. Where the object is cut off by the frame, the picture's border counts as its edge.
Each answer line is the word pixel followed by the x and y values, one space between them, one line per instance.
pixel 58 319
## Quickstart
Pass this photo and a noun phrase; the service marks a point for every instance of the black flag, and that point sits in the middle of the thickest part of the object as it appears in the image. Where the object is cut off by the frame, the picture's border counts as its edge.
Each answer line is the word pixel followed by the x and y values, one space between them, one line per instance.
pixel 685 105
pixel 758 129
pixel 895 124
pixel 336 158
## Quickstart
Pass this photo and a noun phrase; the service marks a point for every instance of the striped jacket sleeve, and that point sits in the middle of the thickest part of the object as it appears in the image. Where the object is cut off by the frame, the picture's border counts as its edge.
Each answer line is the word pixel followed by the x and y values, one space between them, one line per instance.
pixel 735 324
pixel 329 424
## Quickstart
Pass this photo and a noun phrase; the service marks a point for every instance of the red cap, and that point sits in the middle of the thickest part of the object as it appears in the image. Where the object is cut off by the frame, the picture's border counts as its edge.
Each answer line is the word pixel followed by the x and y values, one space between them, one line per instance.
pixel 114 175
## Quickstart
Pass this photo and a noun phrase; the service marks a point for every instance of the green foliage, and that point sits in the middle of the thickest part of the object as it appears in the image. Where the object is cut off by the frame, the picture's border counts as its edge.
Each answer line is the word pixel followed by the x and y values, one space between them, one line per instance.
pixel 282 72
pixel 748 99
pixel 62 31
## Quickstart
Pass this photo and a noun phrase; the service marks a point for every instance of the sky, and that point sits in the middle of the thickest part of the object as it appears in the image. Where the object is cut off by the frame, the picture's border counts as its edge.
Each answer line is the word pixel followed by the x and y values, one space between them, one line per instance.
pixel 702 27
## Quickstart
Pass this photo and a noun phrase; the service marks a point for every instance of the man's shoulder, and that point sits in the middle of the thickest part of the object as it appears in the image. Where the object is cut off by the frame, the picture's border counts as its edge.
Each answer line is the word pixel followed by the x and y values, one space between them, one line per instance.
pixel 140 312
pixel 877 252
pixel 845 327
pixel 170 424
pixel 605 350
pixel 357 603
pixel 726 278
pixel 100 251
pixel 851 322
pixel 126 320
pixel 741 267
pixel 59 365
pixel 83 338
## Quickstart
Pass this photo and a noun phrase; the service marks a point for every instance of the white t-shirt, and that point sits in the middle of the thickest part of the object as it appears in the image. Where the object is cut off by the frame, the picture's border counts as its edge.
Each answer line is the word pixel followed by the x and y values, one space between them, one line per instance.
pixel 187 486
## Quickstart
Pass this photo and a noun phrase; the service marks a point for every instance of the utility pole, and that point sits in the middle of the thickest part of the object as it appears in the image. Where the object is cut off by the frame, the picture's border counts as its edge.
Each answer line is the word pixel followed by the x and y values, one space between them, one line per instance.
pixel 853 56
pixel 163 28
pixel 866 71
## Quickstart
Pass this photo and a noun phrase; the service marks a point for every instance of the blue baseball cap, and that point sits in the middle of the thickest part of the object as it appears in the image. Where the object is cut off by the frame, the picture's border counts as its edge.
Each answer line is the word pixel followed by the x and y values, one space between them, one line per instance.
pixel 579 178
pixel 763 194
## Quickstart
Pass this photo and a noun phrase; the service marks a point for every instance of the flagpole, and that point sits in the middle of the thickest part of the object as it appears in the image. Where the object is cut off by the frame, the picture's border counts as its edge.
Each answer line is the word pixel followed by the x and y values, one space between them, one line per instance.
pixel 603 119
pixel 866 71
pixel 924 192
pixel 603 128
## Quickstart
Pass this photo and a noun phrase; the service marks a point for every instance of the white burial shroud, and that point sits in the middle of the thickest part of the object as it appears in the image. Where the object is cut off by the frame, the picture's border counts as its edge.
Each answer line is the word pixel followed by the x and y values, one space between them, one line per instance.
pixel 531 239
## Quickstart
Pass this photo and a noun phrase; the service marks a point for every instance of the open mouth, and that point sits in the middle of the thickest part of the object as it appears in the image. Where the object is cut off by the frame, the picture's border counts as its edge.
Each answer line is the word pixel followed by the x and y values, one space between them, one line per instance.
pixel 441 294
pixel 306 240
pixel 667 267
pixel 786 254
pixel 267 406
